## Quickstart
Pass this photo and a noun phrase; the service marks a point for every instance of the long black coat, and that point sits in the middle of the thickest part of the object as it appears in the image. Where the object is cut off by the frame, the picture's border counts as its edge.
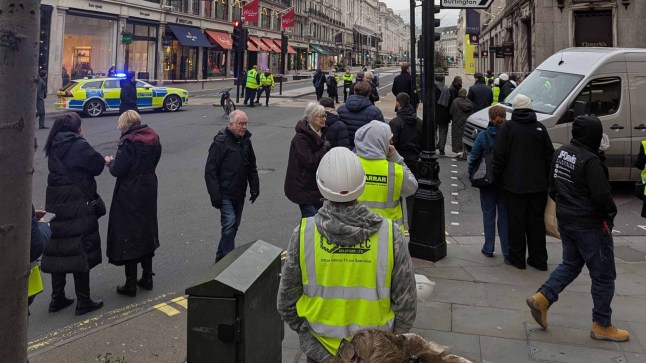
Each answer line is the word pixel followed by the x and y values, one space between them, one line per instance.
pixel 69 188
pixel 128 96
pixel 305 154
pixel 132 227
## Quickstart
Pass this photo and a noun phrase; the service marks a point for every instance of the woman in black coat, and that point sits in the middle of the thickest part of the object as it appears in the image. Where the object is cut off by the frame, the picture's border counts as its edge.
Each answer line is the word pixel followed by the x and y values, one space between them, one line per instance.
pixel 75 246
pixel 132 228
pixel 305 153
pixel 128 94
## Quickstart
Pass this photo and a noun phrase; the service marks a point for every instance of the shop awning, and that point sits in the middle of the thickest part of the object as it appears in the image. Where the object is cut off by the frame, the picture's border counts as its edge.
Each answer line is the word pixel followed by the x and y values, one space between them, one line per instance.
pixel 318 49
pixel 329 50
pixel 222 39
pixel 189 36
pixel 271 45
pixel 365 31
pixel 263 47
pixel 251 47
pixel 290 50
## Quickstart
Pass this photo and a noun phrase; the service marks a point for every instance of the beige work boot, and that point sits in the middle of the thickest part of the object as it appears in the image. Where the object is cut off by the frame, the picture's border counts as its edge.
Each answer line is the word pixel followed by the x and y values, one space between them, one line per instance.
pixel 608 333
pixel 538 304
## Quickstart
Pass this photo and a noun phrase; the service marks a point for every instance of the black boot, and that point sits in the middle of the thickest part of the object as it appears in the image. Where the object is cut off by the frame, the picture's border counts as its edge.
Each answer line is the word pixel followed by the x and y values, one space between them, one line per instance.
pixel 84 304
pixel 59 301
pixel 146 280
pixel 130 287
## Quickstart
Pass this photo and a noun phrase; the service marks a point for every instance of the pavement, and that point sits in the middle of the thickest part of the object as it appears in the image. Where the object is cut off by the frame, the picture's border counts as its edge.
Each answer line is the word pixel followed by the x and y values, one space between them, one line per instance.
pixel 477 309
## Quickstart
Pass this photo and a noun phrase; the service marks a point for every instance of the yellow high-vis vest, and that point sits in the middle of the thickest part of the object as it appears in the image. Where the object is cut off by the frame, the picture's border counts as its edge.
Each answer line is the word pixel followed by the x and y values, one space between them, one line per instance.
pixel 347 79
pixel 35 285
pixel 266 81
pixel 345 288
pixel 382 193
pixel 252 82
pixel 496 94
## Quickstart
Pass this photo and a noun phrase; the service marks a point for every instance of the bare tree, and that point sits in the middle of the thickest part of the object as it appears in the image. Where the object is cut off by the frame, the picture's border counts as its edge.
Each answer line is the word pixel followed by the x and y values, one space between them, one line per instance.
pixel 19 42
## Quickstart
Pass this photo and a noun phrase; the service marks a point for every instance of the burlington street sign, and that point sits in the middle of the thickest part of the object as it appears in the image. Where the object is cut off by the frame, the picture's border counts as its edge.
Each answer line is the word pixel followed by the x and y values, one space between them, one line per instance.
pixel 465 4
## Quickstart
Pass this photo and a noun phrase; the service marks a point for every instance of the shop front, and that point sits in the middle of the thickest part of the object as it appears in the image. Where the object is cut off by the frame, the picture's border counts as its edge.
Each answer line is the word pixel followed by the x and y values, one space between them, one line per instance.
pixel 274 55
pixel 217 57
pixel 181 51
pixel 140 48
pixel 261 57
pixel 319 57
pixel 302 59
pixel 89 44
pixel 290 64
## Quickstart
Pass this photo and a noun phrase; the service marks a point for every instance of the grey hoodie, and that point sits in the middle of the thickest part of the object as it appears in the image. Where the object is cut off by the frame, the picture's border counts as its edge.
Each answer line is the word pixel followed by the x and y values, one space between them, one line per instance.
pixel 346 224
pixel 372 142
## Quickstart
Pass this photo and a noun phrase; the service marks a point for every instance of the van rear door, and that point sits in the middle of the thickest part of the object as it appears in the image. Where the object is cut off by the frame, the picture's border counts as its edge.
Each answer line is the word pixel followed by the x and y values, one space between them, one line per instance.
pixel 637 117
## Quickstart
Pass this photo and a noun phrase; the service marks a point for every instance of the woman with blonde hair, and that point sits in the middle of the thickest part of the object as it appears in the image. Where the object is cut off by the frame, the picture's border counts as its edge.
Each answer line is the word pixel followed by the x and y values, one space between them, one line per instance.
pixel 305 153
pixel 132 227
pixel 491 197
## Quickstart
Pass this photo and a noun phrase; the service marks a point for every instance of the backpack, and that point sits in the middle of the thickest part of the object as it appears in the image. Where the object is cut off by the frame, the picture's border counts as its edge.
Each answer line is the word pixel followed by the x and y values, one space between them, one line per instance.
pixel 331 82
pixel 483 174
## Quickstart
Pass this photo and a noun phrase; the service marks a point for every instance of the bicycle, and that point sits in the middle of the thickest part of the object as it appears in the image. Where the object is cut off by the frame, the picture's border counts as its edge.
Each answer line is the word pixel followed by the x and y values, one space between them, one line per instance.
pixel 226 102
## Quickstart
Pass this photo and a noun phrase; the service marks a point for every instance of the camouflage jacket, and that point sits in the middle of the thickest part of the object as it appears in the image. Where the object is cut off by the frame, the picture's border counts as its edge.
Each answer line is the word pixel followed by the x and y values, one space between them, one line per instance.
pixel 346 224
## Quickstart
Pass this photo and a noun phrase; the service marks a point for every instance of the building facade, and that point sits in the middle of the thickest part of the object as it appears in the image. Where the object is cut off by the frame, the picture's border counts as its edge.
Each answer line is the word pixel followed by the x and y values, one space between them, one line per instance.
pixel 526 32
pixel 191 39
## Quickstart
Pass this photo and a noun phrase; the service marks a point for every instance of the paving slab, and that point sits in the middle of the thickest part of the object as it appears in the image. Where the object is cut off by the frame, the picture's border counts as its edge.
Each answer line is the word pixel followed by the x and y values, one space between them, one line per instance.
pixel 507 296
pixel 503 350
pixel 553 352
pixel 460 292
pixel 635 358
pixel 580 337
pixel 477 320
pixel 465 345
pixel 433 315
pixel 450 273
pixel 637 332
pixel 509 275
pixel 637 268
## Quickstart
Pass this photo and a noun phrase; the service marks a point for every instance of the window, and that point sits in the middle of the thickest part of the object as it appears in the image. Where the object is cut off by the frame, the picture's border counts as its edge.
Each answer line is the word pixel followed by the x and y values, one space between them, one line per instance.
pixel 222 9
pixel 602 96
pixel 112 83
pixel 92 85
pixel 141 84
pixel 196 7
pixel 265 18
pixel 237 11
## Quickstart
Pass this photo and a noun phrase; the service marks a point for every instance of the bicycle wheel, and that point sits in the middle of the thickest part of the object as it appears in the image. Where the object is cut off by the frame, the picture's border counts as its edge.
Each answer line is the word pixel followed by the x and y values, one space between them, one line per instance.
pixel 229 106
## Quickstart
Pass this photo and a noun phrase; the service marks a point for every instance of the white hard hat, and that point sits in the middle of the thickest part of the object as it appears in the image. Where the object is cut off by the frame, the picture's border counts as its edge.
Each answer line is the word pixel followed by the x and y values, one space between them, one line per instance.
pixel 496 81
pixel 340 175
pixel 504 77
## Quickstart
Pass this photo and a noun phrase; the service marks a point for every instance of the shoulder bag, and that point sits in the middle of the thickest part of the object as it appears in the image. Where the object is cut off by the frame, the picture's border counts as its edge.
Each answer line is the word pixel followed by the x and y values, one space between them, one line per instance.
pixel 483 175
pixel 94 200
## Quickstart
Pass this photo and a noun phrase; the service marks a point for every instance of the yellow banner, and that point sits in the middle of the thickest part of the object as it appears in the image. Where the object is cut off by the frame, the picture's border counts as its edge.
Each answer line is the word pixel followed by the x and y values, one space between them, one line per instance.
pixel 469 62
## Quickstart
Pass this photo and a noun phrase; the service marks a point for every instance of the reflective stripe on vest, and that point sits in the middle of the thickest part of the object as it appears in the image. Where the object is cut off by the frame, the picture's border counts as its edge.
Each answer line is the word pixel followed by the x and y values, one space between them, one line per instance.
pixel 347 79
pixel 266 80
pixel 251 79
pixel 382 193
pixel 351 281
pixel 496 94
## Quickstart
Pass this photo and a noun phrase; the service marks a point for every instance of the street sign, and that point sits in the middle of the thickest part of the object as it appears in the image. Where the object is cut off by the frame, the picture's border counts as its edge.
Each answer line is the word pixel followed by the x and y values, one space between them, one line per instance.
pixel 465 4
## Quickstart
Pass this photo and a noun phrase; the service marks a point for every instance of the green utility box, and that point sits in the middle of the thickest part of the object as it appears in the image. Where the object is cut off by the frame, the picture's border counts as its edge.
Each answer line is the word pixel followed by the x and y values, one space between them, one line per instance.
pixel 232 314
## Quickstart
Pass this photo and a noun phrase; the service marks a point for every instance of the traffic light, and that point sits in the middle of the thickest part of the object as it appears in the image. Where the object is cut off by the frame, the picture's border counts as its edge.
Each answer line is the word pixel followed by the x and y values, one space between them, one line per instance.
pixel 244 37
pixel 237 35
pixel 436 22
pixel 283 44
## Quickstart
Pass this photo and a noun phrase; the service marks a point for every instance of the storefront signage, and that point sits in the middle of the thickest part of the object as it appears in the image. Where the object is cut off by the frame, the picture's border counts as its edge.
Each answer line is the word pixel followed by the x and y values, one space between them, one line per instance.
pixel 508 49
pixel 484 53
pixel 126 38
pixel 499 53
pixel 593 29
pixel 166 41
pixel 145 15
pixel 183 21
pixel 94 6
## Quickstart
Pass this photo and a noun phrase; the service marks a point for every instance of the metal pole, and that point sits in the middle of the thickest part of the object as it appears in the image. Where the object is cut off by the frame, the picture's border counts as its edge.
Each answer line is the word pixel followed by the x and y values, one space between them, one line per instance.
pixel 237 67
pixel 427 237
pixel 282 62
pixel 413 41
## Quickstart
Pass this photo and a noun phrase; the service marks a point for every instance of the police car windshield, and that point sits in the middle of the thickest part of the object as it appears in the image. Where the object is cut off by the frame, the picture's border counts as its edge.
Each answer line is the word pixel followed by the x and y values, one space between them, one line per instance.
pixel 546 89
pixel 142 84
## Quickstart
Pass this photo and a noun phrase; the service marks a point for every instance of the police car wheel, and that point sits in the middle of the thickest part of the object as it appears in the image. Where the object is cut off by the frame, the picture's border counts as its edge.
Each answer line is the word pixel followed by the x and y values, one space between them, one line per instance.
pixel 172 103
pixel 94 108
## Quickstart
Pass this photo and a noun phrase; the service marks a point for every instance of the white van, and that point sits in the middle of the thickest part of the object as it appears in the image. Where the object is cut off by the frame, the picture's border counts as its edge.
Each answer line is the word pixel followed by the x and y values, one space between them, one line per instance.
pixel 607 82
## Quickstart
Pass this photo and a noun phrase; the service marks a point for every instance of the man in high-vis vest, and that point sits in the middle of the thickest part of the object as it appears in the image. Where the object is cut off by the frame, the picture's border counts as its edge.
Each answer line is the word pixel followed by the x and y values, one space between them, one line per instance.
pixel 251 84
pixel 347 83
pixel 266 84
pixel 496 91
pixel 347 268
pixel 388 179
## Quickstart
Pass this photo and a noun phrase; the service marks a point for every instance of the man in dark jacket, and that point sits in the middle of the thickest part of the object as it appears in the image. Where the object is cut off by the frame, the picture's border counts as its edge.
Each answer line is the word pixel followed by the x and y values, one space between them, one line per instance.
pixel 128 94
pixel 231 165
pixel 404 83
pixel 507 86
pixel 40 99
pixel 407 140
pixel 443 102
pixel 456 86
pixel 337 130
pixel 585 212
pixel 359 111
pixel 319 84
pixel 522 157
pixel 480 94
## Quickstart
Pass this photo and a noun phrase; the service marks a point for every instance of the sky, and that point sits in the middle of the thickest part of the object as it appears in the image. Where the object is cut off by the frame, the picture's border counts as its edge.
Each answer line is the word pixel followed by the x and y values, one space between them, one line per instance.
pixel 448 17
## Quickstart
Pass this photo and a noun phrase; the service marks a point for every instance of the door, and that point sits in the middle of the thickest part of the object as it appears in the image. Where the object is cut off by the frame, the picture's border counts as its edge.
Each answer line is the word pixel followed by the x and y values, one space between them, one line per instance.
pixel 144 95
pixel 637 117
pixel 112 93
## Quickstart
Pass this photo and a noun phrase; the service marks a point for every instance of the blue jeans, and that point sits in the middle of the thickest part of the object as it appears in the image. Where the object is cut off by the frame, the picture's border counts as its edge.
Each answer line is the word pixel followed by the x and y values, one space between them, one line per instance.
pixel 593 247
pixel 230 216
pixel 310 210
pixel 492 199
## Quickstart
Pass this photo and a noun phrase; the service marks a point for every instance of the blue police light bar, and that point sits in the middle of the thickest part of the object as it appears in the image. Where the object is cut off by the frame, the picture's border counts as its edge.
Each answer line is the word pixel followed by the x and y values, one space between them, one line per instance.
pixel 120 75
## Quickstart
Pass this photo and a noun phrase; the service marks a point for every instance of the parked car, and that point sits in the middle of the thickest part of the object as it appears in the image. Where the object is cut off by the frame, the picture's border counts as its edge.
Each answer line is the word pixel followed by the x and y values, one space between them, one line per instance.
pixel 607 82
pixel 94 96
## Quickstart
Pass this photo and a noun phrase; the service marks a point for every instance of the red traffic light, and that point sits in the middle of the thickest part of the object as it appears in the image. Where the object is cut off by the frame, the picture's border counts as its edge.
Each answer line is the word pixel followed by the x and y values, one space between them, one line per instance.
pixel 236 24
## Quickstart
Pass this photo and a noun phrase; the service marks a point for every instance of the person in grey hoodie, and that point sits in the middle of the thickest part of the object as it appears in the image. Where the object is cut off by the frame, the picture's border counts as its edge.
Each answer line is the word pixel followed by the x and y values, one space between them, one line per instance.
pixel 388 178
pixel 348 228
pixel 461 109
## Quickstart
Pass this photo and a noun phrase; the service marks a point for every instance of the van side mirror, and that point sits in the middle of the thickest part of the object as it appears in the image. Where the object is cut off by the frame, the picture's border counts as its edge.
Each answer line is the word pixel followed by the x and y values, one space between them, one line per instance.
pixel 580 108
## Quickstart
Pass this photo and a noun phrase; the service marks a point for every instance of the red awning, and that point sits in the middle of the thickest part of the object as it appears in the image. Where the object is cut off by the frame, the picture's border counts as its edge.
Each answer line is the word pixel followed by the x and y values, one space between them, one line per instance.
pixel 290 50
pixel 271 45
pixel 222 39
pixel 263 47
pixel 251 47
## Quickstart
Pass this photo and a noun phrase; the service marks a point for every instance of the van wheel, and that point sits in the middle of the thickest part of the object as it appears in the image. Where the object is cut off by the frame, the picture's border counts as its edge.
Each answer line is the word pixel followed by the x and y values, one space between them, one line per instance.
pixel 172 103
pixel 94 108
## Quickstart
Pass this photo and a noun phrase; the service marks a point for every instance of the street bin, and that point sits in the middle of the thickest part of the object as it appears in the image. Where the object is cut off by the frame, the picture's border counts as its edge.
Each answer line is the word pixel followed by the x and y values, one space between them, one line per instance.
pixel 232 316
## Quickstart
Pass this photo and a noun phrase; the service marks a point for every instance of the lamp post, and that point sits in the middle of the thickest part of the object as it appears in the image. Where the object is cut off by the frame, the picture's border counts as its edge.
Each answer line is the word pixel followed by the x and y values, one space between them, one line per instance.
pixel 427 239
pixel 412 53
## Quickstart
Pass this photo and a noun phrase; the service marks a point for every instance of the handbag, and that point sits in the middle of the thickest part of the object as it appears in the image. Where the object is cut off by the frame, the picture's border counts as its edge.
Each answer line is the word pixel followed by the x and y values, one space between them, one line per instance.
pixel 551 224
pixel 94 200
pixel 639 190
pixel 483 175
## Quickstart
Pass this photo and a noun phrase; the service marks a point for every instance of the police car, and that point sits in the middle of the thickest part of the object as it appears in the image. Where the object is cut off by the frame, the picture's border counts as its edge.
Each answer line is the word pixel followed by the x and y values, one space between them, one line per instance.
pixel 95 96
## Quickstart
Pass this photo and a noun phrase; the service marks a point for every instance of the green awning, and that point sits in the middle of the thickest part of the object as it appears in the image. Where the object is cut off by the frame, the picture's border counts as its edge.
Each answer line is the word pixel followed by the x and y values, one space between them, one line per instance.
pixel 319 49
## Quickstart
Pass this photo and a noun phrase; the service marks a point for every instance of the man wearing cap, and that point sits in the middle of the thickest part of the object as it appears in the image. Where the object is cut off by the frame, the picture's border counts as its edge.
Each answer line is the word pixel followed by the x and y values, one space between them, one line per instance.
pixel 508 84
pixel 522 158
pixel 331 263
pixel 585 211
